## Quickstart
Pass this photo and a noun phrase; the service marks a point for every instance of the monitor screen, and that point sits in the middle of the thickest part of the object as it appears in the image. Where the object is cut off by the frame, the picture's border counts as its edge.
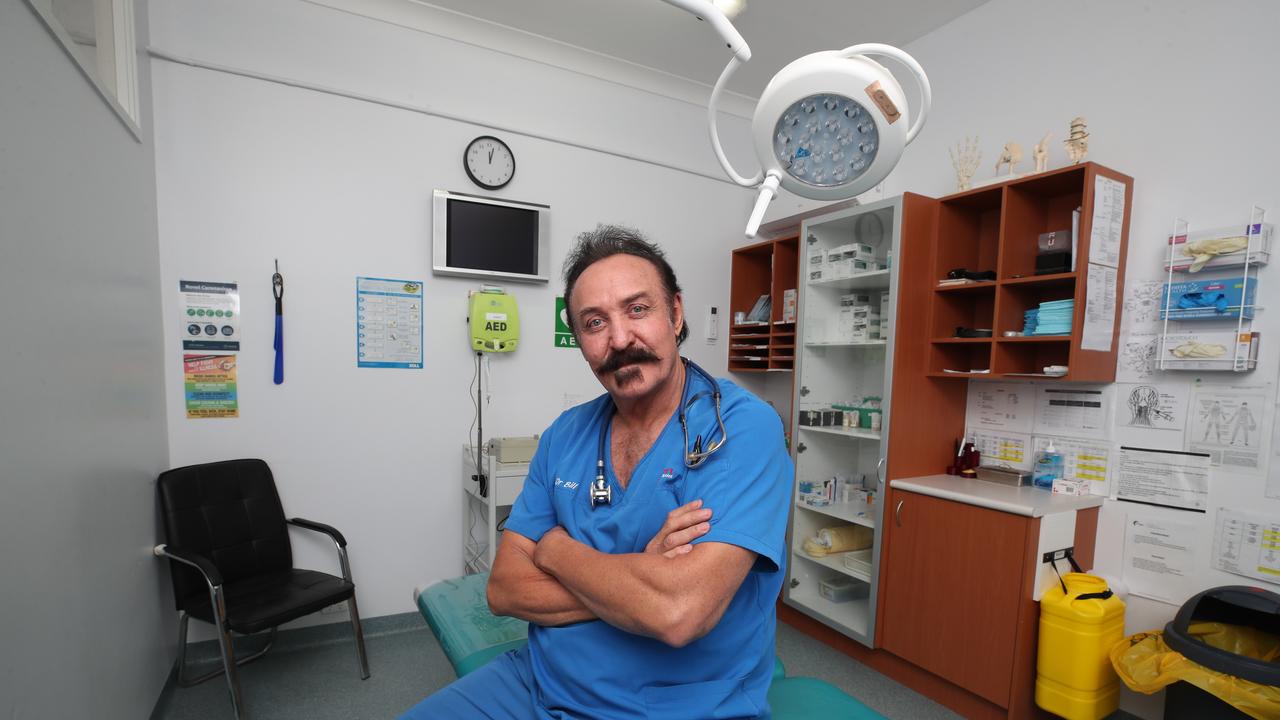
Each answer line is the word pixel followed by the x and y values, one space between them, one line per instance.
pixel 494 238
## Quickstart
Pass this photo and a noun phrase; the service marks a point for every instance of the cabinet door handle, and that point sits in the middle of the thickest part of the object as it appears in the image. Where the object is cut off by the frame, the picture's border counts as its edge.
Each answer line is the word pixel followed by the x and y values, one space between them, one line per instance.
pixel 880 470
pixel 897 513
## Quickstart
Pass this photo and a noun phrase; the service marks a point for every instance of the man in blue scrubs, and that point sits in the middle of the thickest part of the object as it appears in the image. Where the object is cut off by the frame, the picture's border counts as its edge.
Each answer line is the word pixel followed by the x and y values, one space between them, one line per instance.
pixel 658 603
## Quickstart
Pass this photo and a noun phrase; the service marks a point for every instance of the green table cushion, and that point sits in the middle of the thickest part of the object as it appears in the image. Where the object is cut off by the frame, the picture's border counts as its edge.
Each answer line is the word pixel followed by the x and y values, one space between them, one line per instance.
pixel 469 634
pixel 803 698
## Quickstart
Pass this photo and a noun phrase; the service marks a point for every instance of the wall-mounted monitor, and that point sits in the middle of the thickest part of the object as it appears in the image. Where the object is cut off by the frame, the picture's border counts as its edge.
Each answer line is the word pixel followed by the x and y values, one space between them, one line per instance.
pixel 482 237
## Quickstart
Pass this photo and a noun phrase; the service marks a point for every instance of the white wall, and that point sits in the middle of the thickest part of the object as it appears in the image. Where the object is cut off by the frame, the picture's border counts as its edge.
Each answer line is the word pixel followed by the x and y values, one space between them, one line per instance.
pixel 86 620
pixel 1179 96
pixel 250 171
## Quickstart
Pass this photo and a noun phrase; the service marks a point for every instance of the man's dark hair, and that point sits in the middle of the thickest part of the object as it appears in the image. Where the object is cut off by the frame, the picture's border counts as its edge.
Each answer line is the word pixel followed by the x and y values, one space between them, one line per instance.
pixel 609 240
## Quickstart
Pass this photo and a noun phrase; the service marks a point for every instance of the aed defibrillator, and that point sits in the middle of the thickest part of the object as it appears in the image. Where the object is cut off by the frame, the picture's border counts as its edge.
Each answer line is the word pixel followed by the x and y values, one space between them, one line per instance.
pixel 494 319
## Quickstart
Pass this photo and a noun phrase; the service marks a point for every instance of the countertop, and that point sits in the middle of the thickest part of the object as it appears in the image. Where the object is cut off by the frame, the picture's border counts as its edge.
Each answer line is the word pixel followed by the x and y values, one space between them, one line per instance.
pixel 1025 500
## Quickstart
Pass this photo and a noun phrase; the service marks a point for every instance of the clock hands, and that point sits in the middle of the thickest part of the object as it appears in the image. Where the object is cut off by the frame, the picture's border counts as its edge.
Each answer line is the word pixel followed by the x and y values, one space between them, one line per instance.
pixel 490 156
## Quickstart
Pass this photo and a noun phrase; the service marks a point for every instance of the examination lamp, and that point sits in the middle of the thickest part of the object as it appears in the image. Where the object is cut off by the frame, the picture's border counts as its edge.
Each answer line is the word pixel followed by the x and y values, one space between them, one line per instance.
pixel 829 126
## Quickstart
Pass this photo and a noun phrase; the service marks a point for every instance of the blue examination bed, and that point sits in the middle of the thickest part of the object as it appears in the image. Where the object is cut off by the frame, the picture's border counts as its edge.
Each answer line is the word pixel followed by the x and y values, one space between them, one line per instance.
pixel 471 636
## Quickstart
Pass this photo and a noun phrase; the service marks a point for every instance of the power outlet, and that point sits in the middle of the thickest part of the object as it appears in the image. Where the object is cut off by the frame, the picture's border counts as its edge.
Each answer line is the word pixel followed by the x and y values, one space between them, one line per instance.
pixel 335 609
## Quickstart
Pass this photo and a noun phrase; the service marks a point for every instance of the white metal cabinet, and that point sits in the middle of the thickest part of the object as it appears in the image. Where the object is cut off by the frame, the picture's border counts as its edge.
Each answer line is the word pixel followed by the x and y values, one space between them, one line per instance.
pixel 828 372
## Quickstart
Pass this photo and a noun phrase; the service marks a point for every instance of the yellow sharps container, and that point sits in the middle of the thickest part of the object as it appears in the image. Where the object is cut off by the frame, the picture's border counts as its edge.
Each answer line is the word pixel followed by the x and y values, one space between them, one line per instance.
pixel 1078 627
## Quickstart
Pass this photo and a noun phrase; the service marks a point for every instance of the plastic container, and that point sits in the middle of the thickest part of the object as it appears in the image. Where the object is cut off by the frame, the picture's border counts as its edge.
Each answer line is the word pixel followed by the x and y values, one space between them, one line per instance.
pixel 1049 466
pixel 842 588
pixel 1074 676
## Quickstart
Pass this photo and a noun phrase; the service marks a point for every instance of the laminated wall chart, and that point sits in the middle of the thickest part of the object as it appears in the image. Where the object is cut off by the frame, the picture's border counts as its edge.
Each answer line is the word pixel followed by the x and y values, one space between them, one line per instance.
pixel 1230 424
pixel 388 323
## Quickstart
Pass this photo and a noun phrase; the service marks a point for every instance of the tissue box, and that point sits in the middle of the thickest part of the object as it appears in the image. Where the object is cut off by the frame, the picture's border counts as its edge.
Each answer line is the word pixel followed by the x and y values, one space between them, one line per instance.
pixel 1231 295
pixel 1062 486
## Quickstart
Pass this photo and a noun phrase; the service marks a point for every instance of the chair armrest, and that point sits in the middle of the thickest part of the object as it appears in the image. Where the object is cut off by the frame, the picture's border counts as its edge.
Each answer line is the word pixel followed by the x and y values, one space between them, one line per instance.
pixel 320 528
pixel 199 562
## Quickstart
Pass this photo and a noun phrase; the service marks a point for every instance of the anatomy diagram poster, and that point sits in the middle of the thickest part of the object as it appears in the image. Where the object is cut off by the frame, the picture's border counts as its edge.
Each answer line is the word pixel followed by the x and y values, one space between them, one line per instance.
pixel 1230 424
pixel 1146 406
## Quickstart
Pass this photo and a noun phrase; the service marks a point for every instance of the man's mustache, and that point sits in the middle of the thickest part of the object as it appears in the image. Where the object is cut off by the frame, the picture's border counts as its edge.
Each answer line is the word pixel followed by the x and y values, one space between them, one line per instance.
pixel 628 356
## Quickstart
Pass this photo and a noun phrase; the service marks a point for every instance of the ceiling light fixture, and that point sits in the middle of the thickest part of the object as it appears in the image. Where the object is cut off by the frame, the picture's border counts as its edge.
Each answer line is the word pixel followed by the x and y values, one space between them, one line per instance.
pixel 829 126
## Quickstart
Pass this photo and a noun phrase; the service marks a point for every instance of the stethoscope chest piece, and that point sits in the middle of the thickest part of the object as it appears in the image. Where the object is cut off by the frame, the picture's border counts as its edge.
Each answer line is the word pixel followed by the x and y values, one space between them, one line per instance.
pixel 601 493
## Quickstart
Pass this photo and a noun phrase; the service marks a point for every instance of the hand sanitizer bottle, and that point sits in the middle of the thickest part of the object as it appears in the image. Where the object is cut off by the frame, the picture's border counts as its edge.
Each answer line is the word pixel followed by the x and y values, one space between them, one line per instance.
pixel 1048 467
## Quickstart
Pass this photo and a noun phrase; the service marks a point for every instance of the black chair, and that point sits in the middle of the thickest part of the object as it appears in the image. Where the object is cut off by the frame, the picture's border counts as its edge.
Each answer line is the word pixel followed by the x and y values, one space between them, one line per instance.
pixel 228 538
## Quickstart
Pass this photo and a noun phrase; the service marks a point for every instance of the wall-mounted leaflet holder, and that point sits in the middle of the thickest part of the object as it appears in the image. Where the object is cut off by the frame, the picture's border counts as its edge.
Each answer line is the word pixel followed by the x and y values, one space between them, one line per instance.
pixel 1208 301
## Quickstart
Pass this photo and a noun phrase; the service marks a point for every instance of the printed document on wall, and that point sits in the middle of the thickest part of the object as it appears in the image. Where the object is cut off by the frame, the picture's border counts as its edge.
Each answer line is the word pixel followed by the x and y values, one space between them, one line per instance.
pixel 388 323
pixel 1273 472
pixel 1002 449
pixel 1165 478
pixel 1230 424
pixel 1099 309
pixel 1247 544
pixel 210 316
pixel 1082 459
pixel 1108 221
pixel 1074 411
pixel 1003 406
pixel 1161 557
pixel 1151 406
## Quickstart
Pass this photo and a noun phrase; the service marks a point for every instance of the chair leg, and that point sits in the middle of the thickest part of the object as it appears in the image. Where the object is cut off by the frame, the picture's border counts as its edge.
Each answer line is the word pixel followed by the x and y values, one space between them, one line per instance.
pixel 228 653
pixel 184 681
pixel 359 632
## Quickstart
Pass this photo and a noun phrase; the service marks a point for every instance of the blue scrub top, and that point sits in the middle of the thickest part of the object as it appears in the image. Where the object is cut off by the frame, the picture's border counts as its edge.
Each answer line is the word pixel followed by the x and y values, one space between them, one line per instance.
pixel 593 669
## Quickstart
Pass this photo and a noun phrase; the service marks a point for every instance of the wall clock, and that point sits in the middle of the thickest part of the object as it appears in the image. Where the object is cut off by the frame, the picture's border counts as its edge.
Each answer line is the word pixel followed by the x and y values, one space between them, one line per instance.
pixel 489 162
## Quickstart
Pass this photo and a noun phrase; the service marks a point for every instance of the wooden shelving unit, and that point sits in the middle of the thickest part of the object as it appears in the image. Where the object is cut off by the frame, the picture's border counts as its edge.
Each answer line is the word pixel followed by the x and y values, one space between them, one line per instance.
pixel 765 268
pixel 995 228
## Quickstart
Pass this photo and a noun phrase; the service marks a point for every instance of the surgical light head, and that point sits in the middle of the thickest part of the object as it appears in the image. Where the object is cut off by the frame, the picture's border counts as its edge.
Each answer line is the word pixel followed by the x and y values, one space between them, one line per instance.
pixel 829 126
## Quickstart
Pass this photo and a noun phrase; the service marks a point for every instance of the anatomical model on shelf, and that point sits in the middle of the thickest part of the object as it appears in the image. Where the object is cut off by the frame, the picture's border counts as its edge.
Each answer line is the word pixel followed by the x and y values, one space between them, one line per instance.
pixel 1041 153
pixel 1011 155
pixel 965 160
pixel 1077 142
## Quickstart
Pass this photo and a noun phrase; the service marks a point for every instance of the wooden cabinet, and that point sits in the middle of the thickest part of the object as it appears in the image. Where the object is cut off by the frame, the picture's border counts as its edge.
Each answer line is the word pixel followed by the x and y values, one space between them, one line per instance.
pixel 995 228
pixel 952 590
pixel 764 269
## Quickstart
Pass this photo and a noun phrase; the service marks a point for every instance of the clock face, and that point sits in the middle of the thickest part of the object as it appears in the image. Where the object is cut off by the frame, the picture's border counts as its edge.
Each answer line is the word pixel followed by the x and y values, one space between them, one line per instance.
pixel 489 162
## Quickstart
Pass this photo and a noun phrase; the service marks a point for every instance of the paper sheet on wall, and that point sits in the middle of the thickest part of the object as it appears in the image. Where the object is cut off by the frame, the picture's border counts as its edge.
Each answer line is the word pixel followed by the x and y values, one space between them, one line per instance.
pixel 1004 406
pixel 1074 411
pixel 1152 406
pixel 1002 449
pixel 1099 309
pixel 1136 359
pixel 1230 423
pixel 1273 471
pixel 1247 544
pixel 1108 221
pixel 1161 557
pixel 210 316
pixel 1082 459
pixel 1165 478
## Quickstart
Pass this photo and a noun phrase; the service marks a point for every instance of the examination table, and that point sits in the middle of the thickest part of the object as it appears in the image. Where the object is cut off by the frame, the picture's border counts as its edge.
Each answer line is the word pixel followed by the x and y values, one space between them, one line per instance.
pixel 471 636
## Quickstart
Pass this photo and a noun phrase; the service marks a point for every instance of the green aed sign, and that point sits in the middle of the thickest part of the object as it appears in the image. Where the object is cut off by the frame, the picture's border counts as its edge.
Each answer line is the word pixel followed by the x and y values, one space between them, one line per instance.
pixel 564 336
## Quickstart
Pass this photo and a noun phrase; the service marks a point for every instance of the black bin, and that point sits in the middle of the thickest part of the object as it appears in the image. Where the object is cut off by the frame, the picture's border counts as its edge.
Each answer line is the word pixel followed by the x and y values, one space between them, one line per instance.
pixel 1231 605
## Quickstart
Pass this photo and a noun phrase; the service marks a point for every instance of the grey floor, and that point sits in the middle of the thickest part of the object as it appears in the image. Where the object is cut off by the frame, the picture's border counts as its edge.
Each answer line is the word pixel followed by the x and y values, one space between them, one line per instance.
pixel 316 678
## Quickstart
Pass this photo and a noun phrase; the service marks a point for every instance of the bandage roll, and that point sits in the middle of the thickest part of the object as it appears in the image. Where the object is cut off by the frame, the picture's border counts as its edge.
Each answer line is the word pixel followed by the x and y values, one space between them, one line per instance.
pixel 838 539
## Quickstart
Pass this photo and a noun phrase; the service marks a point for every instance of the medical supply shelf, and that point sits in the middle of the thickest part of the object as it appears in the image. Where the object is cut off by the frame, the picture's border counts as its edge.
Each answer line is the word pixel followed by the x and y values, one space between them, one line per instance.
pixel 833 370
pixel 995 228
pixel 765 268
pixel 482 514
pixel 1188 324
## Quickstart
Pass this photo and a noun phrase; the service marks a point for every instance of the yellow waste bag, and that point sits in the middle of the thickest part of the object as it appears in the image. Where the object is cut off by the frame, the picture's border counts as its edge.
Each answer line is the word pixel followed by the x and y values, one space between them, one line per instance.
pixel 1146 664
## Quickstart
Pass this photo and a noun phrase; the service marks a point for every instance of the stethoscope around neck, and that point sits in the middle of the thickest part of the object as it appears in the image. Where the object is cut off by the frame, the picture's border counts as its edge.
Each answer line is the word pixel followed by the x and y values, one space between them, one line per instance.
pixel 602 493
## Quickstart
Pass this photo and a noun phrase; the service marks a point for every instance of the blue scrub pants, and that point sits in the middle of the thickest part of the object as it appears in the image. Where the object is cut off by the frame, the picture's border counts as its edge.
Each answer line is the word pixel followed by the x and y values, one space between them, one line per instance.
pixel 502 689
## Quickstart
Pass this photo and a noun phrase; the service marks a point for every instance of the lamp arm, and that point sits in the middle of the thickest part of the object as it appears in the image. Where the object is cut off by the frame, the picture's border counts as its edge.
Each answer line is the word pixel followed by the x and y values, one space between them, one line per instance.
pixel 922 80
pixel 705 10
pixel 712 106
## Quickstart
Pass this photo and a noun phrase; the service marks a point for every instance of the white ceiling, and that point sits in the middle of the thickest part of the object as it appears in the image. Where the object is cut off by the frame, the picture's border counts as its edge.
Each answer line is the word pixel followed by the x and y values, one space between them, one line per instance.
pixel 659 36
